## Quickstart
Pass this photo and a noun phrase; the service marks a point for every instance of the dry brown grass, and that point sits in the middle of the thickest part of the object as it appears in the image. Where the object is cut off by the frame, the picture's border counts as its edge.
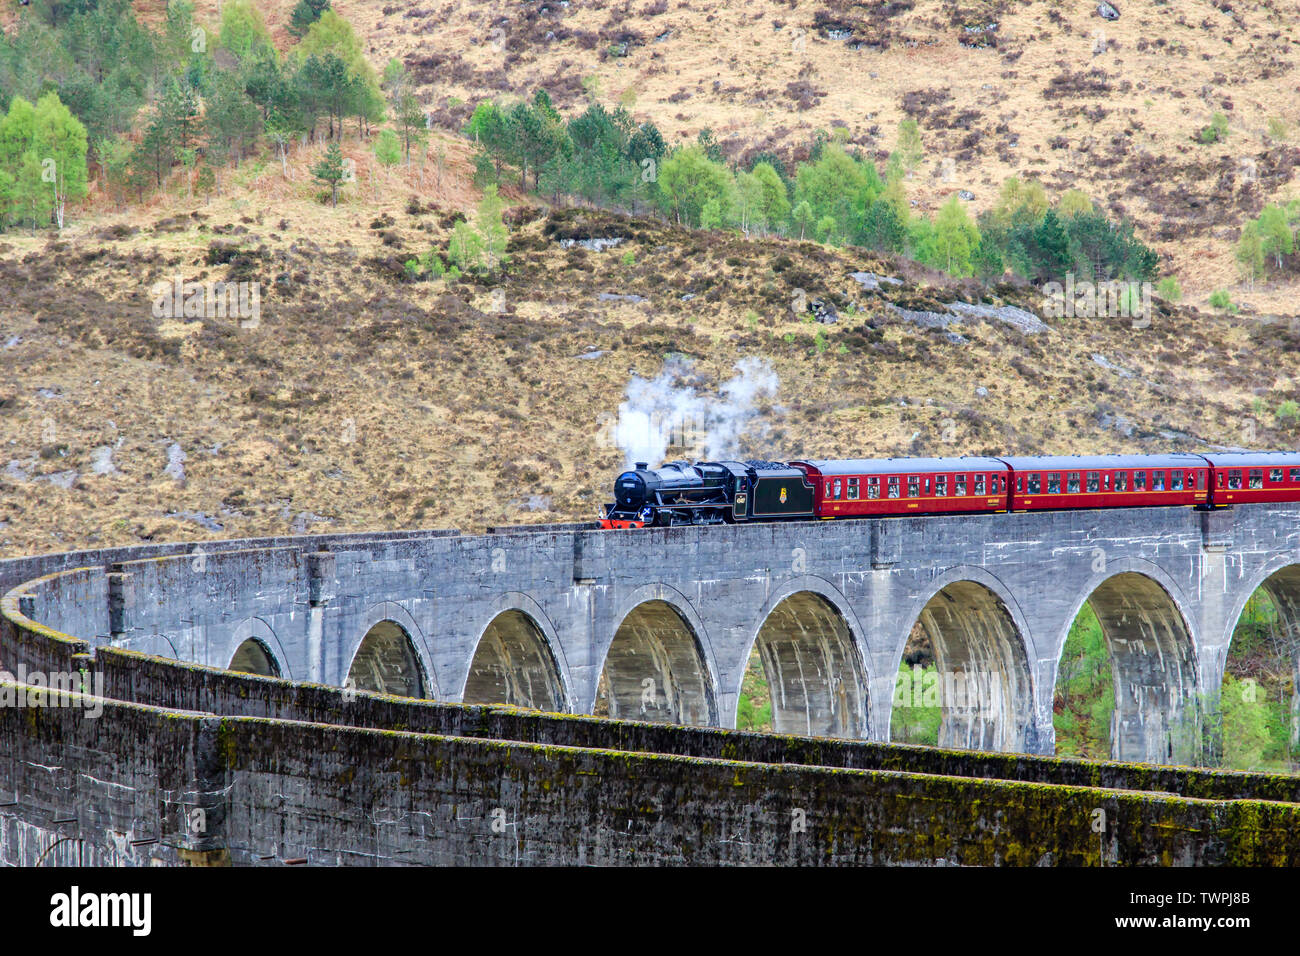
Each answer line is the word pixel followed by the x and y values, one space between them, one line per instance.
pixel 374 402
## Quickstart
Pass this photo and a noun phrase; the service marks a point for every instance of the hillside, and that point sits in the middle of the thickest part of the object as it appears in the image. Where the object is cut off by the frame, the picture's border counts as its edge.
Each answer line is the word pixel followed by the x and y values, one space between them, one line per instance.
pixel 364 400
pixel 1045 90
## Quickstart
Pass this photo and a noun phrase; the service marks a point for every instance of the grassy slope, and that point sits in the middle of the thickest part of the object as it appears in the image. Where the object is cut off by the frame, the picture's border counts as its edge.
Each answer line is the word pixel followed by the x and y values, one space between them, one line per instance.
pixel 373 403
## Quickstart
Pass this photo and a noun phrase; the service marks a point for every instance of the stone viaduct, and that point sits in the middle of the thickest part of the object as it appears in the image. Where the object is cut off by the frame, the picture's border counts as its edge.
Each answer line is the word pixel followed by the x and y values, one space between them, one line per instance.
pixel 658 625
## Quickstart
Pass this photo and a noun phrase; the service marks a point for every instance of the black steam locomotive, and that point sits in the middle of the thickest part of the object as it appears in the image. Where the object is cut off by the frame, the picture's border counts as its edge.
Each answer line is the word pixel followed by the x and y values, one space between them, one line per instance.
pixel 708 492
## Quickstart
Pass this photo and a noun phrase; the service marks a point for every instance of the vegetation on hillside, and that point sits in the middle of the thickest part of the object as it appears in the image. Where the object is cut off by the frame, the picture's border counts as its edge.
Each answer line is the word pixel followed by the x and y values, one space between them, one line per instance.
pixel 148 101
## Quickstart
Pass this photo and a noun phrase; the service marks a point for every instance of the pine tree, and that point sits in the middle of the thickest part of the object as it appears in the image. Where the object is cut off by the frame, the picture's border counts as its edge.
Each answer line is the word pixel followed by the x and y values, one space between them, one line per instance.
pixel 329 171
pixel 305 13
pixel 156 150
pixel 1053 245
pixel 180 111
pixel 388 148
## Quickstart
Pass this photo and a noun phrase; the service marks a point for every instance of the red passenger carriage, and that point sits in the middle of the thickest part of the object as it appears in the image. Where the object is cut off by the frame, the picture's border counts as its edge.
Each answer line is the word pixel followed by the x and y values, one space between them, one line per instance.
pixel 1244 477
pixel 900 486
pixel 1052 483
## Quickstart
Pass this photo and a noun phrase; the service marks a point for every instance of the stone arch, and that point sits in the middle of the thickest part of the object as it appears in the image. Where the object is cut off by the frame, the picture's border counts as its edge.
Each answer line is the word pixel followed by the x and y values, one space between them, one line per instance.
pixel 1280 580
pixel 515 660
pixel 386 662
pixel 254 657
pixel 657 641
pixel 263 653
pixel 1152 646
pixel 807 639
pixel 396 614
pixel 155 645
pixel 985 683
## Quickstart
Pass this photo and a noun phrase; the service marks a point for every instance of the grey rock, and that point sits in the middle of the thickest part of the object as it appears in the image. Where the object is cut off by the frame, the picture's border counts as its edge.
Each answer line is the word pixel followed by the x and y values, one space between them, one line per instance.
pixel 1111 366
pixel 175 469
pixel 205 521
pixel 824 311
pixel 1026 322
pixel 61 479
pixel 102 461
pixel 595 245
pixel 927 320
pixel 872 282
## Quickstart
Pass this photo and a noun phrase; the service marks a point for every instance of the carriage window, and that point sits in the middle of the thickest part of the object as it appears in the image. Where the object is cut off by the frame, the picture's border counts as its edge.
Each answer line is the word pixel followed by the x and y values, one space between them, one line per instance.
pixel 1256 478
pixel 979 484
pixel 1020 484
pixel 1094 481
pixel 1234 479
pixel 853 489
pixel 1054 484
pixel 1200 479
pixel 873 488
pixel 1176 480
pixel 1275 474
pixel 1157 481
pixel 1073 485
pixel 893 487
pixel 941 486
pixel 839 488
pixel 1121 481
pixel 830 488
pixel 1139 481
pixel 1035 484
pixel 1295 474
pixel 913 487
pixel 959 485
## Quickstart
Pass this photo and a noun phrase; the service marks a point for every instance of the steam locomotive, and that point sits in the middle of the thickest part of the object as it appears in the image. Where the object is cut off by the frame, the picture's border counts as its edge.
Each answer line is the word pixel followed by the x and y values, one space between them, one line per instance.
pixel 717 492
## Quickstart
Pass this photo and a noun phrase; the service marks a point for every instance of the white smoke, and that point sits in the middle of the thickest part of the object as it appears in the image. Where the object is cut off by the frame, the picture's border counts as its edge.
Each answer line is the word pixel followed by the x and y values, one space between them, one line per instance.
pixel 666 411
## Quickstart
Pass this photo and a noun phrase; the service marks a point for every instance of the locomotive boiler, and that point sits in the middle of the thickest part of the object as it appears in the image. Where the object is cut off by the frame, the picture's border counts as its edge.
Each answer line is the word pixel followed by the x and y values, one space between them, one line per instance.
pixel 708 492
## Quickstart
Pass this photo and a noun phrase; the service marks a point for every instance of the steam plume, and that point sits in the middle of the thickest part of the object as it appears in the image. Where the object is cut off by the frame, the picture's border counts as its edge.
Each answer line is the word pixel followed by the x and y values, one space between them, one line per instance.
pixel 665 411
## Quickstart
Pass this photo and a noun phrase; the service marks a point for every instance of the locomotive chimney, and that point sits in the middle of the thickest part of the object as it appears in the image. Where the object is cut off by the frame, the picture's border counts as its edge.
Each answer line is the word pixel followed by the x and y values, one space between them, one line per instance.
pixel 642 466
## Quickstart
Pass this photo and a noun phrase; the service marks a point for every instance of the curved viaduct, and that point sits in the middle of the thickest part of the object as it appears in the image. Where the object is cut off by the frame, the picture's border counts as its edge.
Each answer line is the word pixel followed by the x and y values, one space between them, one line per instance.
pixel 658 625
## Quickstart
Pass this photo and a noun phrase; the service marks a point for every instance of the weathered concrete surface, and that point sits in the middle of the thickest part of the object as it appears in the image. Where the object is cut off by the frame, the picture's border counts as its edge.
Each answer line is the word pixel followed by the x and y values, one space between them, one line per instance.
pixel 129 676
pixel 659 624
pixel 142 784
